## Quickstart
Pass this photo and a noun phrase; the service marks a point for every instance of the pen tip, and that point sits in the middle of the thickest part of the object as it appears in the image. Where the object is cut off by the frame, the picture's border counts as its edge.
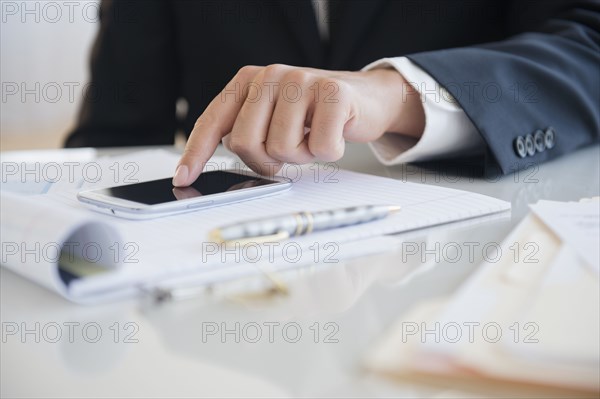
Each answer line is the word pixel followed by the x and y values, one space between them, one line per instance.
pixel 394 209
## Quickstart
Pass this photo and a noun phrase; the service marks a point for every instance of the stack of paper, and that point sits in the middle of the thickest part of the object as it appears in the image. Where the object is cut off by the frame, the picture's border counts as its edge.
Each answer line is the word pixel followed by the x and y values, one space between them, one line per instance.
pixel 142 253
pixel 531 314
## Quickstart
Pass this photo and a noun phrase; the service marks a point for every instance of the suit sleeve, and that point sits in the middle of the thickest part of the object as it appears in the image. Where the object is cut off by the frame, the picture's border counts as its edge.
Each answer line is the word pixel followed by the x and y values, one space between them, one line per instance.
pixel 132 94
pixel 534 96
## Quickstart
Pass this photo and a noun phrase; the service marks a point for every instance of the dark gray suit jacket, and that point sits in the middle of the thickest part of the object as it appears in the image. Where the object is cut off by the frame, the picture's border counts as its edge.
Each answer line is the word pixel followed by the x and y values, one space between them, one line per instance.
pixel 526 72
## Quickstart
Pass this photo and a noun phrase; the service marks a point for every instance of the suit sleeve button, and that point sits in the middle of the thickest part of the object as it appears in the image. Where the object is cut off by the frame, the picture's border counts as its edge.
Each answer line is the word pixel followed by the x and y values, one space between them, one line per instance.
pixel 519 145
pixel 529 146
pixel 539 141
pixel 549 138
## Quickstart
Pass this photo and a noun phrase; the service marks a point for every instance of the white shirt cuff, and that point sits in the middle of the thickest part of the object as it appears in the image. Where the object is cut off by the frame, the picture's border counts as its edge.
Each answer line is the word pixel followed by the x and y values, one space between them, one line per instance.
pixel 448 131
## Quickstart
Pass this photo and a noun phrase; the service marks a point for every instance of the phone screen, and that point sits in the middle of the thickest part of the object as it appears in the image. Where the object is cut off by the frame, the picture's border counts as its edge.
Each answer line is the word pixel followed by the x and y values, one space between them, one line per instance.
pixel 161 191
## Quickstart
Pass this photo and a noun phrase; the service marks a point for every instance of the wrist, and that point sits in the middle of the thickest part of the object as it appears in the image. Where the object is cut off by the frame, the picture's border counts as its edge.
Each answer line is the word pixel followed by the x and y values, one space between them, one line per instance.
pixel 403 104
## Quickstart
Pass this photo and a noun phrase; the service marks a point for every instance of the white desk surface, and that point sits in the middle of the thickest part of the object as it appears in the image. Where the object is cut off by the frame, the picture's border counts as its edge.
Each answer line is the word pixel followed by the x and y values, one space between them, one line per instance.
pixel 360 299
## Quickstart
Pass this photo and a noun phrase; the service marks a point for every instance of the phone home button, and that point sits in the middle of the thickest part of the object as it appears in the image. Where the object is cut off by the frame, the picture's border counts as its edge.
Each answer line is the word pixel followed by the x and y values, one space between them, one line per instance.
pixel 199 205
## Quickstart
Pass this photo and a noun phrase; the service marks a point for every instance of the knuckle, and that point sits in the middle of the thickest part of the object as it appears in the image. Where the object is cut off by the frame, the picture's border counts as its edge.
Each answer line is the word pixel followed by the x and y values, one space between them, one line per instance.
pixel 297 76
pixel 327 82
pixel 207 119
pixel 191 151
pixel 273 72
pixel 239 144
pixel 326 152
pixel 335 90
pixel 247 72
pixel 278 124
pixel 326 123
pixel 277 149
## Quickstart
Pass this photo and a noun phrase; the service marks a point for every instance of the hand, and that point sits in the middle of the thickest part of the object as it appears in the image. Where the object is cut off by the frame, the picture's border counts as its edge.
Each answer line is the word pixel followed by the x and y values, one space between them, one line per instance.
pixel 279 113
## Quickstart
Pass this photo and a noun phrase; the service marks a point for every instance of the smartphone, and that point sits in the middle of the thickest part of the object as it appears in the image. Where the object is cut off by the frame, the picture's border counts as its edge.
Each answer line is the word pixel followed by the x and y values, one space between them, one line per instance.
pixel 159 198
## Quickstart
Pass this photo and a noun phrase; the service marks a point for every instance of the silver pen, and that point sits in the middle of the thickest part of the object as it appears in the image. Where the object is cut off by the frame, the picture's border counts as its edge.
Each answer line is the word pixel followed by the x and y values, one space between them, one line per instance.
pixel 299 223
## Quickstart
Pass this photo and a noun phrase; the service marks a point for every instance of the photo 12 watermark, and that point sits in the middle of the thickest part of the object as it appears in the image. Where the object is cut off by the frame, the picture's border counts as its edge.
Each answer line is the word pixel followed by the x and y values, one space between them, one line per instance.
pixel 270 332
pixel 314 172
pixel 471 332
pixel 90 252
pixel 272 252
pixel 52 332
pixel 67 12
pixel 468 252
pixel 54 92
pixel 69 172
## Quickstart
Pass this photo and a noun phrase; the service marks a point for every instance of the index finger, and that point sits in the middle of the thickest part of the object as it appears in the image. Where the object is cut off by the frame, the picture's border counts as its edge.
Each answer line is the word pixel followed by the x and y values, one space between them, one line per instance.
pixel 215 122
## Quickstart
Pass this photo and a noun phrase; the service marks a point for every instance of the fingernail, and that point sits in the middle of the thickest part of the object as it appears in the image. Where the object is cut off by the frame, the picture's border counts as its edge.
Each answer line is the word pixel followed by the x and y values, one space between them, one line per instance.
pixel 181 175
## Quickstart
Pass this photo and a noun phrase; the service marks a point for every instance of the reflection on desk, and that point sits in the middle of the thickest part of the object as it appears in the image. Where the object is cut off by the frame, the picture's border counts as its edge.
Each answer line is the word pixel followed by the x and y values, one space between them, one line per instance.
pixel 362 299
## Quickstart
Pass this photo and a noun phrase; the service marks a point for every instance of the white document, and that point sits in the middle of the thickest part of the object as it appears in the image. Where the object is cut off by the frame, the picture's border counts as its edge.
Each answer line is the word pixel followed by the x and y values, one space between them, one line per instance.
pixel 150 251
pixel 577 224
pixel 530 315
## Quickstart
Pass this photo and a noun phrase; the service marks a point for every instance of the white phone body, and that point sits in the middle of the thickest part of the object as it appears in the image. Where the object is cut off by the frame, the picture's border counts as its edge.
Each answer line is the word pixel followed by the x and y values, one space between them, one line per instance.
pixel 102 200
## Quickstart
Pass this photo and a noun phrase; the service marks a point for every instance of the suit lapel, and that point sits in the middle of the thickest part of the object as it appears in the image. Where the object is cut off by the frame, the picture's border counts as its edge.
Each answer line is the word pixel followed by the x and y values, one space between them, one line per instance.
pixel 349 21
pixel 300 17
